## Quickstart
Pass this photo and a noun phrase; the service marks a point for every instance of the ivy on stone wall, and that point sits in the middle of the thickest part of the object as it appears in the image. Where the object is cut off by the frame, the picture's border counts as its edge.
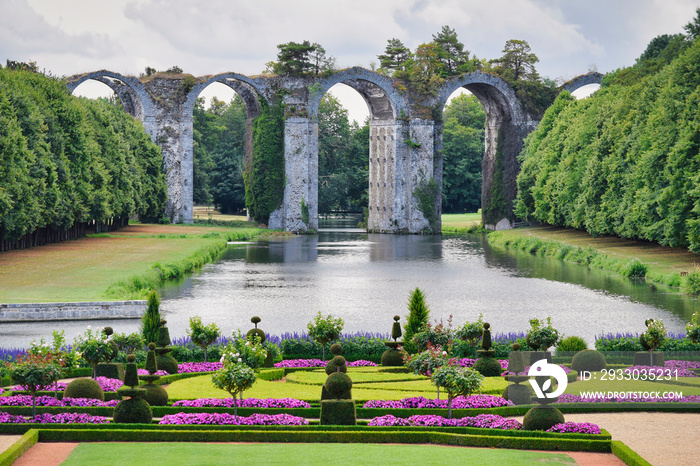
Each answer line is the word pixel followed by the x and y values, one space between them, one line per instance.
pixel 494 203
pixel 264 177
pixel 426 195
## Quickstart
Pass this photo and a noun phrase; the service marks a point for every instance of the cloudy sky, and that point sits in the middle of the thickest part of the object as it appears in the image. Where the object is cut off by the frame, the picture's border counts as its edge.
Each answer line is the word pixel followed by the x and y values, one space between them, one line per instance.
pixel 69 37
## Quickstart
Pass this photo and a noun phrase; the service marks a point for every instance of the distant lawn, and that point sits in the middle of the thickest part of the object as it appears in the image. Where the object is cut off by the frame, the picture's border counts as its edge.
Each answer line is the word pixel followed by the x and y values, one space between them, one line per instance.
pixel 461 220
pixel 117 454
pixel 83 269
pixel 368 384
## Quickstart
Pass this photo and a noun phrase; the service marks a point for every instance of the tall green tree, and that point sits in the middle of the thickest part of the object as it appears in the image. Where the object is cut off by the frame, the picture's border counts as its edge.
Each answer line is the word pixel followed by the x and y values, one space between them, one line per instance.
pixel 452 52
pixel 517 62
pixel 301 59
pixel 395 57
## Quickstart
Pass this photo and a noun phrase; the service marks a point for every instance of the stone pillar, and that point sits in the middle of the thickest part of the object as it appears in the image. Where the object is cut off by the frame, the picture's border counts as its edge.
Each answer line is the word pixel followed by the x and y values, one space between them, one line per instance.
pixel 386 158
pixel 420 143
pixel 301 177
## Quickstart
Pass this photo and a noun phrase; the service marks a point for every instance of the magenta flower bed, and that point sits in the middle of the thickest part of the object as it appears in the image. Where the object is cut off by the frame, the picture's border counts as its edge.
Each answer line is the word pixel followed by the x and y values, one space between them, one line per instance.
pixel 665 371
pixel 631 398
pixel 230 419
pixel 145 372
pixel 46 418
pixel 484 421
pixel 44 400
pixel 108 385
pixel 296 363
pixel 469 362
pixel 576 428
pixel 678 364
pixel 460 402
pixel 246 403
pixel 188 367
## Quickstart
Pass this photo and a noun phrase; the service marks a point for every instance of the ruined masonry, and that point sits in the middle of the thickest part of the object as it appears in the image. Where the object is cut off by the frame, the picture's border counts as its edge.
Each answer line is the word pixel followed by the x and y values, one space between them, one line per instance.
pixel 405 140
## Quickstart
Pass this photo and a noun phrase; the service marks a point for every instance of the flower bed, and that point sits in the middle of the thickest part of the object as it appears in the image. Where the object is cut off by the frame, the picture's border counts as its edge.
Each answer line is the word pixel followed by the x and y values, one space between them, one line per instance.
pixel 107 384
pixel 460 402
pixel 484 421
pixel 299 363
pixel 246 403
pixel 230 419
pixel 575 428
pixel 469 362
pixel 188 367
pixel 60 418
pixel 45 400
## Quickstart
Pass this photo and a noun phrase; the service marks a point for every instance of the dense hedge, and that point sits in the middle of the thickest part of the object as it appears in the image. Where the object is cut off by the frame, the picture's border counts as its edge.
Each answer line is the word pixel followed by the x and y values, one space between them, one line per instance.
pixel 630 343
pixel 17 449
pixel 622 162
pixel 67 162
pixel 627 455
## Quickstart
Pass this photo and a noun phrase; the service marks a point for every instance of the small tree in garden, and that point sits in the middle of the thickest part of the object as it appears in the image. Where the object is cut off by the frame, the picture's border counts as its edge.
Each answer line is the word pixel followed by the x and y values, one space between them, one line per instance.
pixel 456 381
pixel 150 321
pixel 325 330
pixel 542 336
pixel 35 372
pixel 234 378
pixel 242 350
pixel 418 312
pixel 203 335
pixel 655 335
pixel 95 348
pixel 471 332
pixel 426 362
pixel 693 328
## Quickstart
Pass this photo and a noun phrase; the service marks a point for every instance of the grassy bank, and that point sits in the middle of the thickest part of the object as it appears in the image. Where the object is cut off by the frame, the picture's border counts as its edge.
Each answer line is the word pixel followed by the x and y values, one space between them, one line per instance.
pixel 461 223
pixel 660 264
pixel 112 266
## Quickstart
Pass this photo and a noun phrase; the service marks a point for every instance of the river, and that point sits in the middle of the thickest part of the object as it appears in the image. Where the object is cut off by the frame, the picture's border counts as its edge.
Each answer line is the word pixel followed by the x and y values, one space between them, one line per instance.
pixel 366 279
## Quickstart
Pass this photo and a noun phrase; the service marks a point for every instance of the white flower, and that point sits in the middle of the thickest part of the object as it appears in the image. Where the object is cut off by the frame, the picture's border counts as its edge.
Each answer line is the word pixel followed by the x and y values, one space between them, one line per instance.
pixel 89 327
pixel 222 359
pixel 240 360
pixel 236 355
pixel 444 353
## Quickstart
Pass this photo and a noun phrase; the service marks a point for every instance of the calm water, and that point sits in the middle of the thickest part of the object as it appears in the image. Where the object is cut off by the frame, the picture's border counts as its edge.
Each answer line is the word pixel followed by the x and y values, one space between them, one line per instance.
pixel 366 279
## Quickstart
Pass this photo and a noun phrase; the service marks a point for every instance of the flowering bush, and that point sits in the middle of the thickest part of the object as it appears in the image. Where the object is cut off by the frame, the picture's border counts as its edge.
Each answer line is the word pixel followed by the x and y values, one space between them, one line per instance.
pixel 484 421
pixel 426 362
pixel 55 351
pixel 247 403
pixel 434 335
pixel 575 428
pixel 469 362
pixel 459 402
pixel 655 334
pixel 234 378
pixel 231 419
pixel 35 372
pixel 241 350
pixel 692 328
pixel 630 342
pixel 94 348
pixel 471 331
pixel 540 336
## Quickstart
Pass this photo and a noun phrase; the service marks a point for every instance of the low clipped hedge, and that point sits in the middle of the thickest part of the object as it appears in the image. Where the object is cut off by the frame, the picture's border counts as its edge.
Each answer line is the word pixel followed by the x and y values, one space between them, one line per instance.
pixel 627 455
pixel 17 449
pixel 464 436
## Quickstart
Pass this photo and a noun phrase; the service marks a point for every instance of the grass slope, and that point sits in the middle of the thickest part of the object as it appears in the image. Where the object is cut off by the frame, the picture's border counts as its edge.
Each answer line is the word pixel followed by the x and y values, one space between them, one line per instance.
pixel 304 454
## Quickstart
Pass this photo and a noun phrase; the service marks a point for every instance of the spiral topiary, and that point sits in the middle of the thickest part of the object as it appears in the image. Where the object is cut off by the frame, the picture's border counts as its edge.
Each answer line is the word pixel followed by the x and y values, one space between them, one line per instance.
pixel 588 360
pixel 84 388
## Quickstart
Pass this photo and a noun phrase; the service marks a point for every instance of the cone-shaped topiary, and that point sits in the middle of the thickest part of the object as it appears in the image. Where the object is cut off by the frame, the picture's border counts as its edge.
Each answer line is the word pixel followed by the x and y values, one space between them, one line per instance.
pixel 588 360
pixel 396 329
pixel 486 365
pixel 84 388
pixel 131 375
pixel 164 360
pixel 486 337
pixel 151 364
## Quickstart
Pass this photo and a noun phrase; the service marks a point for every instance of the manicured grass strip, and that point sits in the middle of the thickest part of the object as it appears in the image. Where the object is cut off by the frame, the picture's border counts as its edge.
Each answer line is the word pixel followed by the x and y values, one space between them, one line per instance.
pixel 304 454
pixel 17 449
pixel 627 455
pixel 322 435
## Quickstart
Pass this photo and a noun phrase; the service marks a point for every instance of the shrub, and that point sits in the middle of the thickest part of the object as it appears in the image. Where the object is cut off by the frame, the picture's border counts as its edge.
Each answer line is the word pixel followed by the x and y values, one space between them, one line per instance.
pixel 571 344
pixel 324 330
pixel 84 388
pixel 337 364
pixel 418 312
pixel 133 411
pixel 155 395
pixel 34 372
pixel 634 269
pixel 456 381
pixel 128 343
pixel 338 412
pixel 203 335
pixel 588 360
pixel 542 418
pixel 256 331
pixel 470 332
pixel 655 334
pixel 437 335
pixel 542 337
pixel 234 378
pixel 94 348
pixel 244 351
pixel 150 321
pixel 693 328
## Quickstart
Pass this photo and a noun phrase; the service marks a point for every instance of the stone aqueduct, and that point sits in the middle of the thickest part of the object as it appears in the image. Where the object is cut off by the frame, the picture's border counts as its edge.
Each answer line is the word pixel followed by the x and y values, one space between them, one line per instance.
pixel 405 139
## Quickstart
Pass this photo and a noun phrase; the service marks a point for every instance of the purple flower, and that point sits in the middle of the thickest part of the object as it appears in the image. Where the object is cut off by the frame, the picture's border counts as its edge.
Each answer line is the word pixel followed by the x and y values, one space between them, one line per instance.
pixel 188 367
pixel 7 418
pixel 362 363
pixel 159 372
pixel 459 402
pixel 483 421
pixel 68 418
pixel 246 403
pixel 109 385
pixel 576 427
pixel 230 419
pixel 45 400
pixel 301 363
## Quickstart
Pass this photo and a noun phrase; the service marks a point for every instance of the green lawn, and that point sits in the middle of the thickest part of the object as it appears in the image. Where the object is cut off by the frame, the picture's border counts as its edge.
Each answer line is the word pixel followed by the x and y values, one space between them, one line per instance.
pixel 117 454
pixel 368 384
pixel 83 269
pixel 460 220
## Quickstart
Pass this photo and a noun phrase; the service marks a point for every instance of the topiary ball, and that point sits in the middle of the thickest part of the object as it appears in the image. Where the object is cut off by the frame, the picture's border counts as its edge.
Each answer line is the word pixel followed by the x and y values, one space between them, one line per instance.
pixel 155 394
pixel 518 394
pixel 336 364
pixel 338 384
pixel 253 332
pixel 588 360
pixel 516 346
pixel 133 411
pixel 108 331
pixel 488 367
pixel 167 363
pixel 255 320
pixel 130 358
pixel 84 388
pixel 542 418
pixel 336 348
pixel 151 346
pixel 392 358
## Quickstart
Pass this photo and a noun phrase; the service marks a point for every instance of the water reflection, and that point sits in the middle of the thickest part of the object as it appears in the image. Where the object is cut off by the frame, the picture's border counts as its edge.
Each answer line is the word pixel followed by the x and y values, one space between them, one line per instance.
pixel 366 279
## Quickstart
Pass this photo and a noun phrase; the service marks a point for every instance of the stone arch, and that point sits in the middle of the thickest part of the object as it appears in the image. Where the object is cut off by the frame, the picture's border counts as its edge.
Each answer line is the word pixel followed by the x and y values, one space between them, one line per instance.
pixel 507 124
pixel 130 90
pixel 584 80
pixel 247 88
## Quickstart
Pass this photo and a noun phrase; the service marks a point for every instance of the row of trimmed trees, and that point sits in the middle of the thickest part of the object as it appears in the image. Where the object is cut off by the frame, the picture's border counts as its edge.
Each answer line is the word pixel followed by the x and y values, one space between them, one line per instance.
pixel 70 165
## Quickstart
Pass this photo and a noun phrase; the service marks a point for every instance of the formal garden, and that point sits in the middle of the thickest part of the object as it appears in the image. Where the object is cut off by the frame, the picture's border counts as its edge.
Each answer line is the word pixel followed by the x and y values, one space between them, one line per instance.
pixel 424 382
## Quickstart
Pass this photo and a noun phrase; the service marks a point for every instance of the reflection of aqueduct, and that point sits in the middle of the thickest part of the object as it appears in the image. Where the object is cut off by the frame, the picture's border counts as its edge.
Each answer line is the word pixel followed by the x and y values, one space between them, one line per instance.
pixel 405 139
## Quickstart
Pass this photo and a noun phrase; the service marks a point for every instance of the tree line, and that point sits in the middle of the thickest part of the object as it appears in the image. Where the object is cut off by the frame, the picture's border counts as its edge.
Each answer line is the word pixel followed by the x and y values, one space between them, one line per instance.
pixel 624 161
pixel 69 165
